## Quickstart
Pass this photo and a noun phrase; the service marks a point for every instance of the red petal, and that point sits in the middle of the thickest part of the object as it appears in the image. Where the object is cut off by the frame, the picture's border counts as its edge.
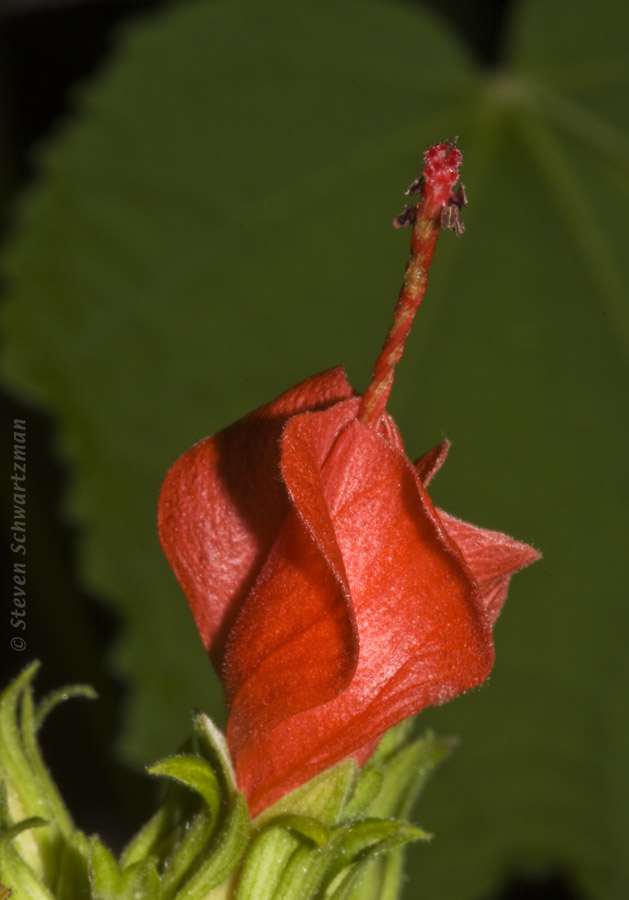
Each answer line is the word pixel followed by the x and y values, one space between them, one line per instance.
pixel 493 558
pixel 422 634
pixel 430 463
pixel 222 504
pixel 294 644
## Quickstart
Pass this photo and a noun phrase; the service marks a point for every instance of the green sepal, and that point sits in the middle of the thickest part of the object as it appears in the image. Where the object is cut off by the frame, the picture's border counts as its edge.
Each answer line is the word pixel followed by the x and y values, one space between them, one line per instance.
pixel 56 810
pixel 362 848
pixel 72 878
pixel 296 858
pixel 56 854
pixel 198 775
pixel 340 835
pixel 153 834
pixel 10 834
pixel 372 836
pixel 55 698
pixel 265 862
pixel 304 874
pixel 310 871
pixel 393 740
pixel 337 837
pixel 138 881
pixel 202 852
pixel 223 855
pixel 105 875
pixel 305 826
pixel 213 747
pixel 404 770
pixel 195 773
pixel 17 874
pixel 23 796
pixel 368 787
pixel 323 798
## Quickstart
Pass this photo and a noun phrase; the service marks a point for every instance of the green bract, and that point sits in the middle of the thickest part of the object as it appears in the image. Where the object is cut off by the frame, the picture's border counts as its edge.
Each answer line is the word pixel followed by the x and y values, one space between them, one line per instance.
pixel 338 837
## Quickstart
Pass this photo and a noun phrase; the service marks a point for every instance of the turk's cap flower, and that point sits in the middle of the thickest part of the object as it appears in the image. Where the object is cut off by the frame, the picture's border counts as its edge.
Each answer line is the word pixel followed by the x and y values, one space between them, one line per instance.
pixel 332 596
pixel 334 599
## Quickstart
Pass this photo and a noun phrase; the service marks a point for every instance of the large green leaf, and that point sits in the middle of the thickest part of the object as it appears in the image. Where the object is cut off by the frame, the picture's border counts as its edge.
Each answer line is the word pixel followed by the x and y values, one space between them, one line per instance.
pixel 216 226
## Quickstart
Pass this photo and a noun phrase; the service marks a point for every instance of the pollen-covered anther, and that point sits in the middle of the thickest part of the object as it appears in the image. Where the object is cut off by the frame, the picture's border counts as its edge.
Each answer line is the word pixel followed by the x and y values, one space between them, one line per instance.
pixel 406 217
pixel 416 187
pixel 451 219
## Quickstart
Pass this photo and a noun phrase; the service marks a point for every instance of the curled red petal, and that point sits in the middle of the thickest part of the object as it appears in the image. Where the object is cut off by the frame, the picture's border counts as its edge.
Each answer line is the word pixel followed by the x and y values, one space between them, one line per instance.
pixel 222 504
pixel 423 635
pixel 492 557
pixel 294 643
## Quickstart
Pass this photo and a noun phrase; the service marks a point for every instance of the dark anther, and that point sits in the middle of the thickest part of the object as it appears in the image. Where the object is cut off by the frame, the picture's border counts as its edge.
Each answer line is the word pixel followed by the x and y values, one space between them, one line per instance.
pixel 460 198
pixel 406 217
pixel 451 219
pixel 416 187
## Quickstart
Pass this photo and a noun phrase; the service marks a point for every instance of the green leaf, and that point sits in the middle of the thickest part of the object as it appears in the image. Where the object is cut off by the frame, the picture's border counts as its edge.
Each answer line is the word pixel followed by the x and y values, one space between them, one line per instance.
pixel 215 226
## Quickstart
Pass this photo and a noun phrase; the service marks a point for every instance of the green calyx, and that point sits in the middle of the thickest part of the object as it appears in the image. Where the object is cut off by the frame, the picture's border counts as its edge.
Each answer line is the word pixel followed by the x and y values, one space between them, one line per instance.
pixel 337 837
pixel 341 835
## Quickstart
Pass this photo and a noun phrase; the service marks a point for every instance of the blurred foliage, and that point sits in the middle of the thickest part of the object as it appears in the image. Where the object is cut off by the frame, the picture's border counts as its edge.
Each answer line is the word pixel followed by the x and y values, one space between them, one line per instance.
pixel 215 226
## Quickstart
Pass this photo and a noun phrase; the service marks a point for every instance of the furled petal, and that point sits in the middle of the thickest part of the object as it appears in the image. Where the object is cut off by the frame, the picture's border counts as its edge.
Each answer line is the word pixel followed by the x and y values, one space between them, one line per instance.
pixel 423 635
pixel 222 504
pixel 430 463
pixel 294 643
pixel 493 558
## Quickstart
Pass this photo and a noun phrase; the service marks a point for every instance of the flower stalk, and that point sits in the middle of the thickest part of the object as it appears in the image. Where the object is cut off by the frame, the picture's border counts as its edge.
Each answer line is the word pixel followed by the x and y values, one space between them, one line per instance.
pixel 438 207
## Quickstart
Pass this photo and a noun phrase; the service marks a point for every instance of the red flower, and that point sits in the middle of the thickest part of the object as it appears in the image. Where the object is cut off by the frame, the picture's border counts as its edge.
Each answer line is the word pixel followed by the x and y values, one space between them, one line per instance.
pixel 332 596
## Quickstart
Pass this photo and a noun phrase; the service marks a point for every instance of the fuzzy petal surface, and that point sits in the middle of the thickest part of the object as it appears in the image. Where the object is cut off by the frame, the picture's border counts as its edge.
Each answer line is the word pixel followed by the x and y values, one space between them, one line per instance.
pixel 222 504
pixel 423 636
pixel 430 463
pixel 294 643
pixel 334 599
pixel 493 557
